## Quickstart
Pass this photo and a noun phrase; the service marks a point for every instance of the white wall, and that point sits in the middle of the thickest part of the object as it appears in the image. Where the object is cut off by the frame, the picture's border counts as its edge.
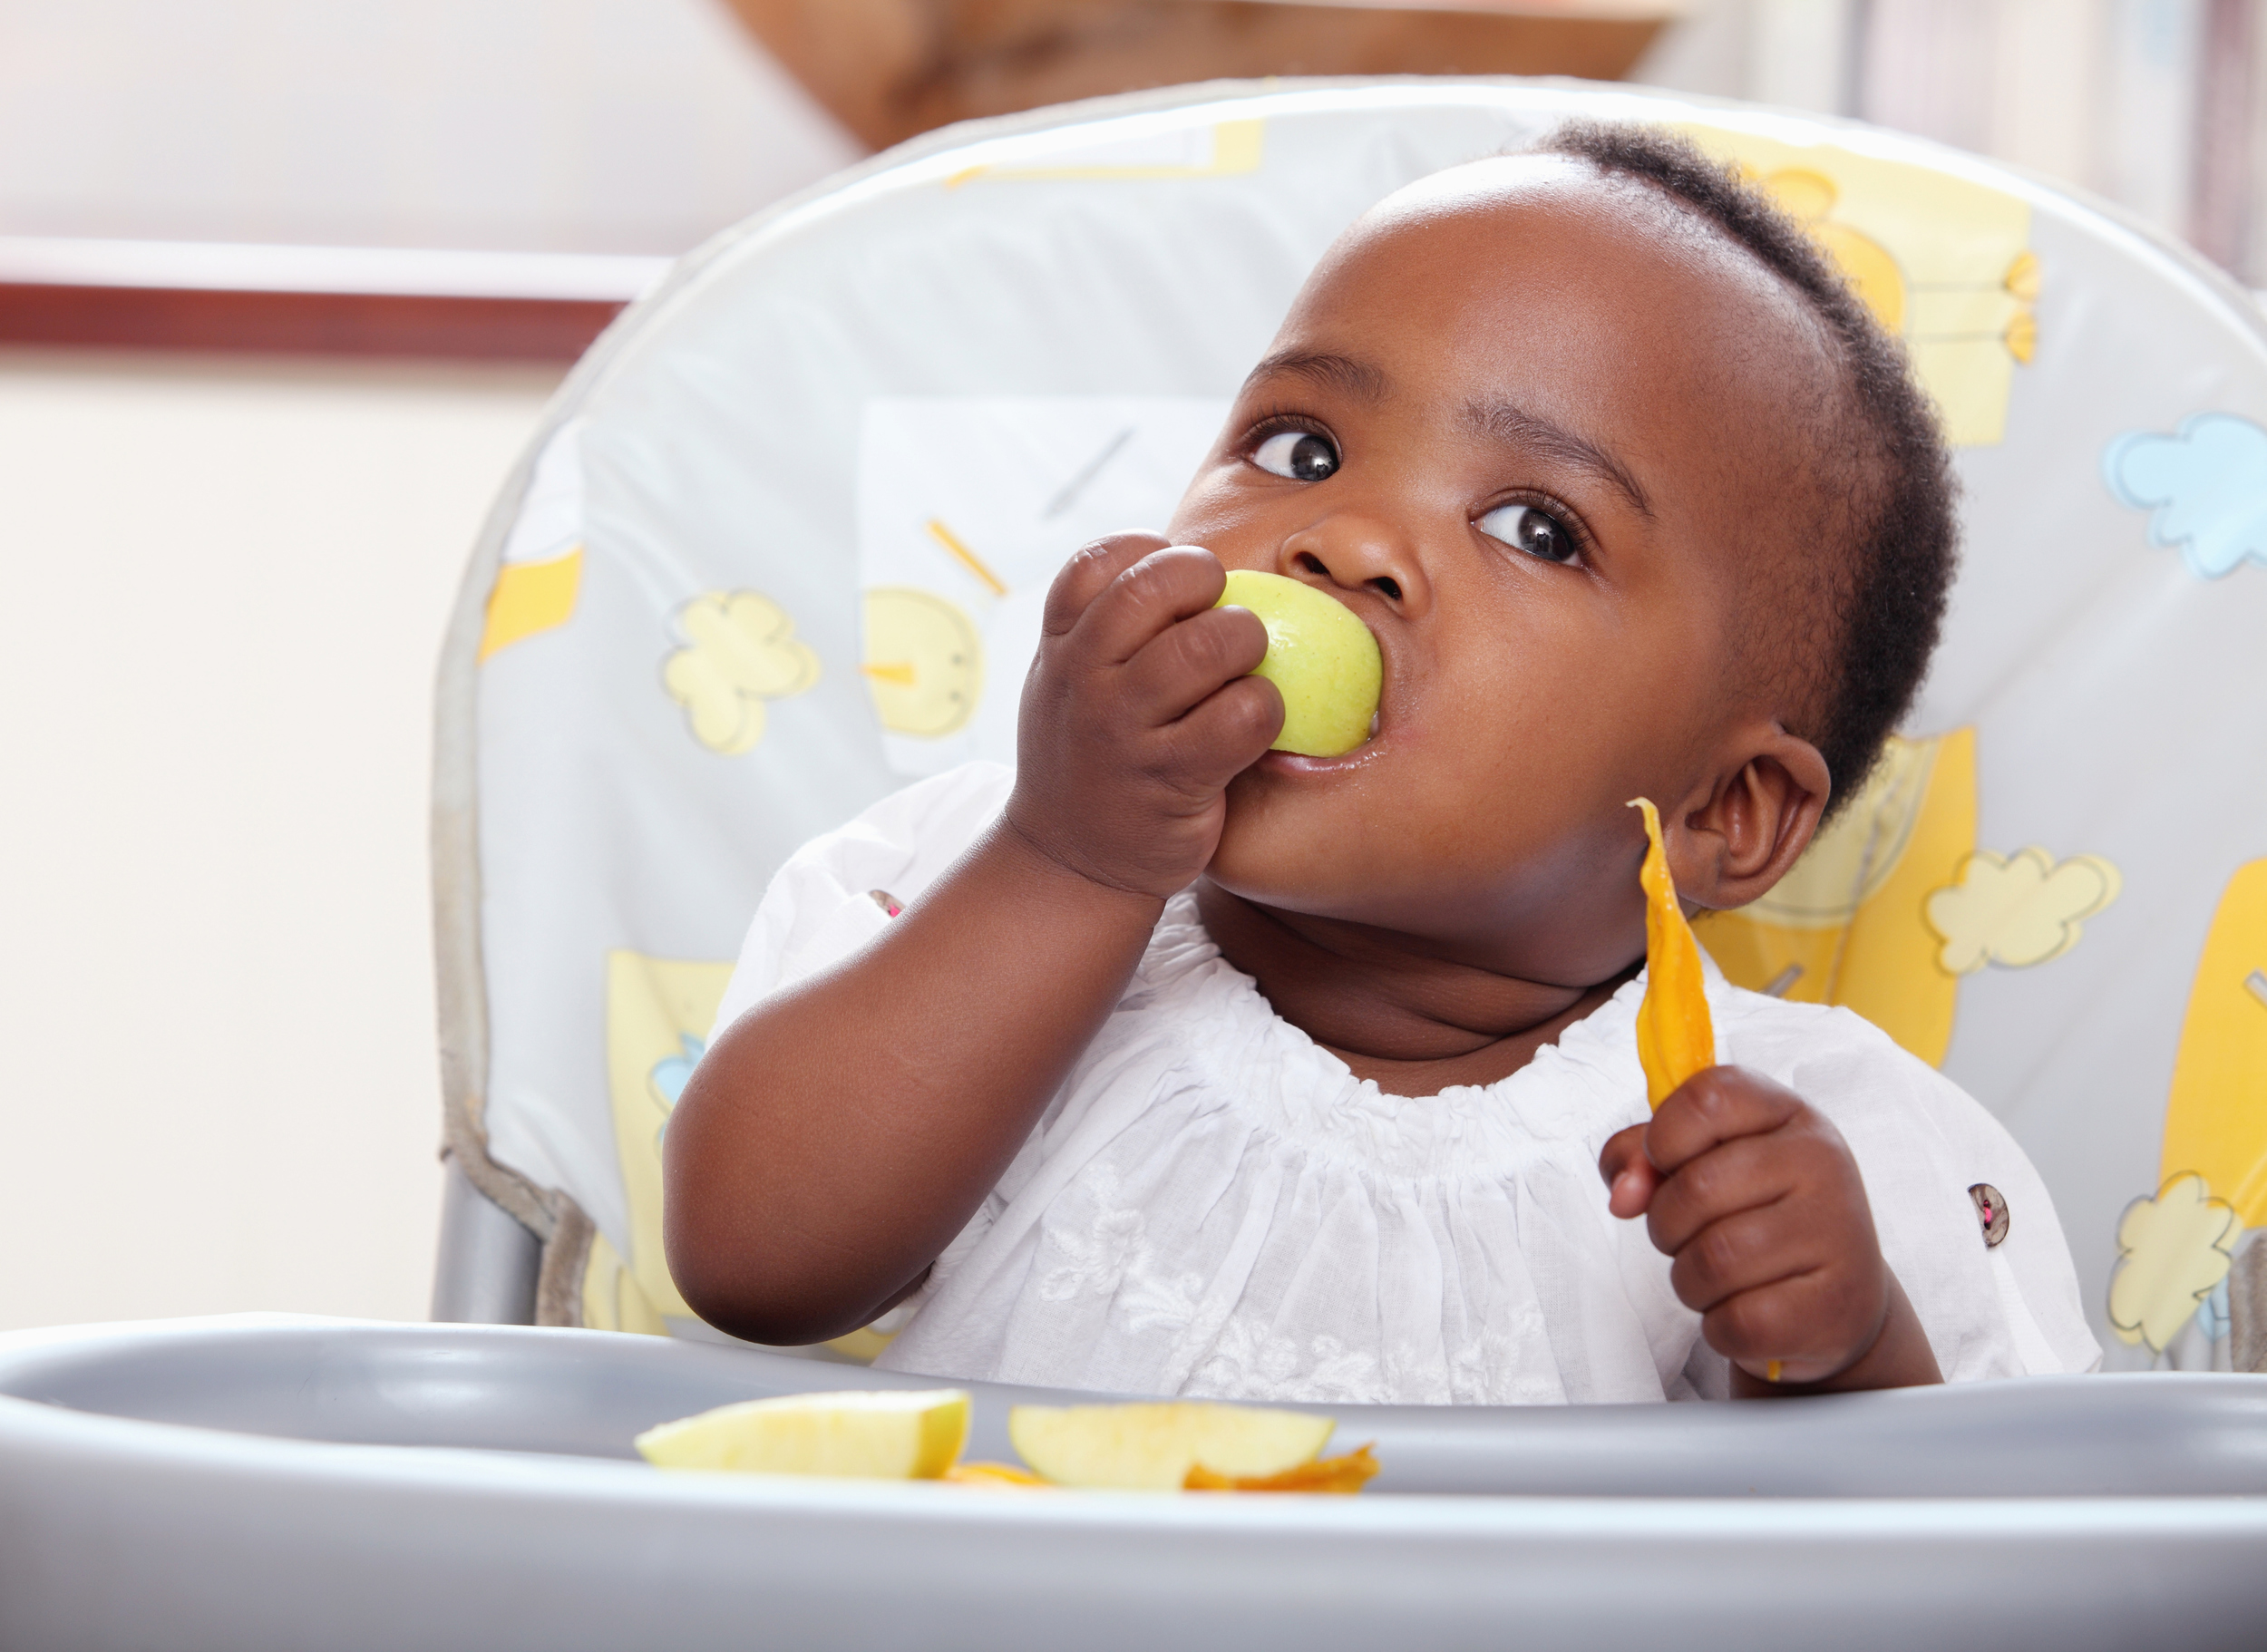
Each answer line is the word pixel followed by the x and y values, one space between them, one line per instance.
pixel 627 126
pixel 222 588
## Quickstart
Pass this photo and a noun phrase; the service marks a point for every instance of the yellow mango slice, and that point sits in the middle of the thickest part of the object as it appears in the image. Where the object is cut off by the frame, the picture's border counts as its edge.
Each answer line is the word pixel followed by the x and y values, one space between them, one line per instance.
pixel 1153 1445
pixel 1675 1038
pixel 859 1434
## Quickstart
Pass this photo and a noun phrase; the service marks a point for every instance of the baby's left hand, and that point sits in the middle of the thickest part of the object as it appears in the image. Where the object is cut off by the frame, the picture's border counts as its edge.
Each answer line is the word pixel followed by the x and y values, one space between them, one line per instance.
pixel 1756 1197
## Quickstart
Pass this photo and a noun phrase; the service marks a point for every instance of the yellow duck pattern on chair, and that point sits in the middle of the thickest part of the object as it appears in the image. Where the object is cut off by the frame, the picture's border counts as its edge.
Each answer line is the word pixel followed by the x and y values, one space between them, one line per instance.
pixel 1943 263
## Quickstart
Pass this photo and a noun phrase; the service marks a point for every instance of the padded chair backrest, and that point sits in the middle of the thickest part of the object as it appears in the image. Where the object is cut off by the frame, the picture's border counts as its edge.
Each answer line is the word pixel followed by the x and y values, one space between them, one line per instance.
pixel 781 545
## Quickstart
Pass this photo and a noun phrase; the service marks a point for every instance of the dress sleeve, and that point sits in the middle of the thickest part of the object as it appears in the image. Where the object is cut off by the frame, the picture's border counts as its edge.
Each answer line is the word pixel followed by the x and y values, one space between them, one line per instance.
pixel 2031 1266
pixel 2008 1309
pixel 826 901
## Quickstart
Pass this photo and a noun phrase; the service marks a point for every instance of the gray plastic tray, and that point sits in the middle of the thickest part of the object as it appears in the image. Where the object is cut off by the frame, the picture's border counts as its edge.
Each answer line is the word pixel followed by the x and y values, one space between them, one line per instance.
pixel 255 1482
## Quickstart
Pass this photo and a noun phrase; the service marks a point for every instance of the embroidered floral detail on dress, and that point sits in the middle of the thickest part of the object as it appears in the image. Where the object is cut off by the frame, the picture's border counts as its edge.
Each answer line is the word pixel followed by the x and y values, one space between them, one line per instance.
pixel 1110 1255
pixel 1249 1362
pixel 1098 1259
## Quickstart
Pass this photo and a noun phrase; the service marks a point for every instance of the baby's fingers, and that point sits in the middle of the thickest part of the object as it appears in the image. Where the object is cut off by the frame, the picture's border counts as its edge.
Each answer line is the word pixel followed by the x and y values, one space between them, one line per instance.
pixel 1714 1106
pixel 1744 1251
pixel 1223 737
pixel 1799 1329
pixel 1630 1176
pixel 1146 598
pixel 1187 661
pixel 1742 1174
pixel 1089 573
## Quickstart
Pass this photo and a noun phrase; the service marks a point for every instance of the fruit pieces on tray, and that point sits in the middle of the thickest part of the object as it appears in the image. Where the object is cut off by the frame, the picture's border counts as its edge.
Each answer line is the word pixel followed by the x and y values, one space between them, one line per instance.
pixel 918 1434
pixel 884 1433
pixel 1675 1036
pixel 1157 1446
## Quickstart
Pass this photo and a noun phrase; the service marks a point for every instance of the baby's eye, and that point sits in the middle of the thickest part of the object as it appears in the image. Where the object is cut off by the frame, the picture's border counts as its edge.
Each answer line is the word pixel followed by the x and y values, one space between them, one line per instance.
pixel 1536 532
pixel 1299 454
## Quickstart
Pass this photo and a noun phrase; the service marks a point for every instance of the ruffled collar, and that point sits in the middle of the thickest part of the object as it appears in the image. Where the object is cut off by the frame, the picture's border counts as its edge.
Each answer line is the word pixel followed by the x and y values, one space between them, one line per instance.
pixel 1231 1044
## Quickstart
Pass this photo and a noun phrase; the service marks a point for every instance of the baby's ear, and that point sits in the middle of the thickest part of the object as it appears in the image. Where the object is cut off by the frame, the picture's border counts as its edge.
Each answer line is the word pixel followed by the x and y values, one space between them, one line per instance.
pixel 1741 838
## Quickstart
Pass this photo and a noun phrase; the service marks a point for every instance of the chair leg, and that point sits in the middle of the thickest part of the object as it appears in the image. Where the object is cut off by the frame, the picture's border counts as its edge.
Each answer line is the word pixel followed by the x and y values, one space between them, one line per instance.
pixel 2247 1307
pixel 486 1270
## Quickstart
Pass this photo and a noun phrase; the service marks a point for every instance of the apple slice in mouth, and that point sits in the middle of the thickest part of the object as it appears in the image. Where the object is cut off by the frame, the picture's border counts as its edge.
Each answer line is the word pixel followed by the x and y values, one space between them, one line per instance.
pixel 1321 657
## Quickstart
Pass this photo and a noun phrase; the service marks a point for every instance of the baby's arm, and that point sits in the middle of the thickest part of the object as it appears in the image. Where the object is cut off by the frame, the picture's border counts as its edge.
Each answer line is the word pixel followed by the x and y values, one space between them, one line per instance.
pixel 839 1134
pixel 1756 1195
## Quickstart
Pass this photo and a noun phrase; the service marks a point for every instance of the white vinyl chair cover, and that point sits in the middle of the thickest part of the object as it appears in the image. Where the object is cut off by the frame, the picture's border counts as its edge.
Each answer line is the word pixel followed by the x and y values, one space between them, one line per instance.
pixel 780 545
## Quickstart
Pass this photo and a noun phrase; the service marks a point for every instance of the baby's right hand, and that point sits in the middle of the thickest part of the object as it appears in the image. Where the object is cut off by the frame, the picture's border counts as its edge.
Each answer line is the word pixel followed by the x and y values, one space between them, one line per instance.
pixel 1138 712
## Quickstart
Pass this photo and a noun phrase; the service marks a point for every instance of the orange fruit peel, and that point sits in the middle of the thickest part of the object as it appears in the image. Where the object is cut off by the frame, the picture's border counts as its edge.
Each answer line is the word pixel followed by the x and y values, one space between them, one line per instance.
pixel 1344 1474
pixel 996 1477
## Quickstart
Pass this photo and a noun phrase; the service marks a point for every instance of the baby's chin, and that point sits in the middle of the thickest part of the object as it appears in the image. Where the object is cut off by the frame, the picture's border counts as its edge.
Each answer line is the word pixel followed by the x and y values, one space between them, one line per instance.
pixel 1387 850
pixel 1285 845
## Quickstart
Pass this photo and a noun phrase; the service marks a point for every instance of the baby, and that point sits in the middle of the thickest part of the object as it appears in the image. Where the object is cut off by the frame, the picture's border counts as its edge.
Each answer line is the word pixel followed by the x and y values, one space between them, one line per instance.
pixel 1195 1067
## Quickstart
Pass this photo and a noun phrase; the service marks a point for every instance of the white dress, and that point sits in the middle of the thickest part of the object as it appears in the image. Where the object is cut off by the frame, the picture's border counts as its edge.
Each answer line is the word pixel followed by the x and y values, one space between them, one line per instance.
pixel 1214 1205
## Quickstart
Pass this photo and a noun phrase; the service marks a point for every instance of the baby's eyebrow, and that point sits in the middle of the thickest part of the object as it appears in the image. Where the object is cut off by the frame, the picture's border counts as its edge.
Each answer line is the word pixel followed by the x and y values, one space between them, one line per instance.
pixel 1349 374
pixel 1532 431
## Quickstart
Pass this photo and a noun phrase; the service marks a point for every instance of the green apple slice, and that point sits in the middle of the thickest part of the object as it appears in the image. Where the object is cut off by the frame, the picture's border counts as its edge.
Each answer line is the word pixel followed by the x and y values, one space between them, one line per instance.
pixel 1321 657
pixel 862 1434
pixel 1152 1446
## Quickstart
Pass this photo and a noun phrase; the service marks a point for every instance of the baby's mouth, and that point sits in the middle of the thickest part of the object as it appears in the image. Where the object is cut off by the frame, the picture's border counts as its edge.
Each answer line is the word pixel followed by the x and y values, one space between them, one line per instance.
pixel 1297 763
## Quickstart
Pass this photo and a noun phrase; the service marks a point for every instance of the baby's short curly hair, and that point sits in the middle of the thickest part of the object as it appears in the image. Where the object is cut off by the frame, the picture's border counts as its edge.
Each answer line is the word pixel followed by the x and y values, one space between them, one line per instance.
pixel 1888 511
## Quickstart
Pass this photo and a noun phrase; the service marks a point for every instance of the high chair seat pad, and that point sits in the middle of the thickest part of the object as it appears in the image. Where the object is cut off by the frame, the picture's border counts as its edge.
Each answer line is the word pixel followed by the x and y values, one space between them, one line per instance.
pixel 781 546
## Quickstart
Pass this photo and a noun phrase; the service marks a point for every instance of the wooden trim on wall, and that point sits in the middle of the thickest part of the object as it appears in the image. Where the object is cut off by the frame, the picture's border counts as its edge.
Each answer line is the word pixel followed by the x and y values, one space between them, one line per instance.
pixel 888 69
pixel 312 300
pixel 307 323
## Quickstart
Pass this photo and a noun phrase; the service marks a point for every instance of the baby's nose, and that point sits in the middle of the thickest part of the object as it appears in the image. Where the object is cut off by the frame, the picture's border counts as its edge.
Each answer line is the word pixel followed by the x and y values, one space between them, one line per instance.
pixel 1357 555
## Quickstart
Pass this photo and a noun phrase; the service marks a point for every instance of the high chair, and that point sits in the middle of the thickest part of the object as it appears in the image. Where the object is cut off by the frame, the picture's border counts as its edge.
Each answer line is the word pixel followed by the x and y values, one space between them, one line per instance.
pixel 780 548
pixel 781 544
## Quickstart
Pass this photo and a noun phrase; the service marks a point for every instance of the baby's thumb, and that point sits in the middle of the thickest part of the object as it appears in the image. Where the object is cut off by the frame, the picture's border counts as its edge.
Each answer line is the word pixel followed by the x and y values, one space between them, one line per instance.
pixel 1629 1174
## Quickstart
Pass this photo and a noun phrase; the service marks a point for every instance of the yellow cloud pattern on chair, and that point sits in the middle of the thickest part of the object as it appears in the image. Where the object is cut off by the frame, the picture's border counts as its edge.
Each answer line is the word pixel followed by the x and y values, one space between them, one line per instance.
pixel 2173 1251
pixel 1943 262
pixel 2016 911
pixel 531 597
pixel 1845 925
pixel 2215 1122
pixel 740 651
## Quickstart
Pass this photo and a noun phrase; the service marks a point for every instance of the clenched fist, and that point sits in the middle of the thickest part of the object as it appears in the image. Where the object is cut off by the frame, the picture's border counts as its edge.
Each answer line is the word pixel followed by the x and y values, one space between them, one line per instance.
pixel 1756 1197
pixel 1138 712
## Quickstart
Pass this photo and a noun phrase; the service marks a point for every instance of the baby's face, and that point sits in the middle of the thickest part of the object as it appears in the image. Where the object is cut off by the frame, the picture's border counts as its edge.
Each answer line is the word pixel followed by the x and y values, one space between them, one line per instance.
pixel 1536 430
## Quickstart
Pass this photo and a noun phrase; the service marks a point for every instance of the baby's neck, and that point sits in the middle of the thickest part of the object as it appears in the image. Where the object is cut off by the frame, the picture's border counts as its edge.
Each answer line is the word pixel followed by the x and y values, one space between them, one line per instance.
pixel 1393 1011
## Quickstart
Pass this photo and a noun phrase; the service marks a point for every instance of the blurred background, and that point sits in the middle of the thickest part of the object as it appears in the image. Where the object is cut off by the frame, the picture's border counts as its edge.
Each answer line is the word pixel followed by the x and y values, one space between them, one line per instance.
pixel 283 287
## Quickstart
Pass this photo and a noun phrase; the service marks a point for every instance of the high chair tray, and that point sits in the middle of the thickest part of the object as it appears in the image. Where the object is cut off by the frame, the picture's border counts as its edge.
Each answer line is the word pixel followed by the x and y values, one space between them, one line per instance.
pixel 261 1481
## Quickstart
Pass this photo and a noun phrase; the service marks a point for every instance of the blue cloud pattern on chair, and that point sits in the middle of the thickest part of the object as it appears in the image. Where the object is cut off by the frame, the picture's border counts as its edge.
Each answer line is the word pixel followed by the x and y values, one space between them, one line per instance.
pixel 671 1073
pixel 2206 484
